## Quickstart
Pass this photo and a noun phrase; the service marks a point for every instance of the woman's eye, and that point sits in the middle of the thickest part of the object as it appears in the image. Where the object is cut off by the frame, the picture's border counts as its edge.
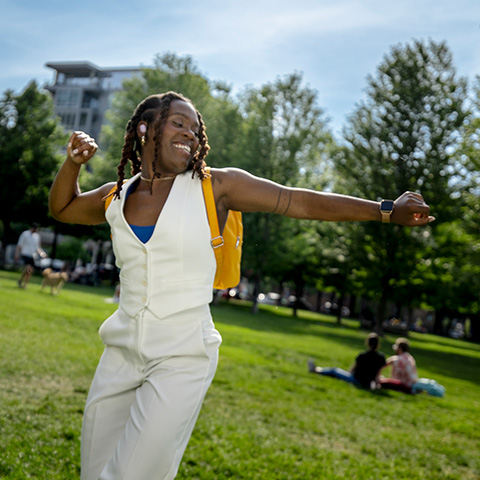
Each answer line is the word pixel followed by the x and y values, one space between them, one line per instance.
pixel 177 124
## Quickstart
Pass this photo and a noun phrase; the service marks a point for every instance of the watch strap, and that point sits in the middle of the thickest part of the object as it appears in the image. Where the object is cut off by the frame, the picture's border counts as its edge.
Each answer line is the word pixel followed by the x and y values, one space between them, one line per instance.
pixel 386 216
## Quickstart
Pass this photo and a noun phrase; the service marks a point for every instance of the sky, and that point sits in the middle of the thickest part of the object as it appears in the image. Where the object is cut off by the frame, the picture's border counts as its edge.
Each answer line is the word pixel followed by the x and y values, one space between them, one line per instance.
pixel 335 44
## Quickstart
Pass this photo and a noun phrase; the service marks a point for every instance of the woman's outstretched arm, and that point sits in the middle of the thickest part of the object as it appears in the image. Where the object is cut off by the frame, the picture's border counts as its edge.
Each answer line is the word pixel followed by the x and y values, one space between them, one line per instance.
pixel 236 189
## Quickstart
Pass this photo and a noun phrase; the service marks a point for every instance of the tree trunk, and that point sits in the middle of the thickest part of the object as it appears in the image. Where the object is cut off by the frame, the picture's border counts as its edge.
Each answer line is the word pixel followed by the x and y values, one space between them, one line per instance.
pixel 299 287
pixel 475 328
pixel 353 306
pixel 382 306
pixel 438 324
pixel 53 255
pixel 410 318
pixel 256 291
pixel 339 308
pixel 6 240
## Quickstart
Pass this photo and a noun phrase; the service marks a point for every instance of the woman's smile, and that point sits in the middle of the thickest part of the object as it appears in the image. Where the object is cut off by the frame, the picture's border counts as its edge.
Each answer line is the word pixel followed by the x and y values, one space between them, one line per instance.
pixel 181 146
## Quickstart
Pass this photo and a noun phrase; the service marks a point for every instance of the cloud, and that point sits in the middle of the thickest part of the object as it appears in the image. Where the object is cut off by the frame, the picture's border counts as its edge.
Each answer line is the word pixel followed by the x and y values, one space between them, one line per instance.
pixel 335 44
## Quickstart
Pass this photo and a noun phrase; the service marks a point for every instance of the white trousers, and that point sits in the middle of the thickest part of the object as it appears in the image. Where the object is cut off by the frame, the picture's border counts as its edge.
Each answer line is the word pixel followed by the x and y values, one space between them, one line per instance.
pixel 147 393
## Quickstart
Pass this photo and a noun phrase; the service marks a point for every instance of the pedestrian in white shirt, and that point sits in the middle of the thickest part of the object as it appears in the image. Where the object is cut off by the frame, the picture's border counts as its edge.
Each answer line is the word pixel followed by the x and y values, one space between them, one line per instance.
pixel 28 247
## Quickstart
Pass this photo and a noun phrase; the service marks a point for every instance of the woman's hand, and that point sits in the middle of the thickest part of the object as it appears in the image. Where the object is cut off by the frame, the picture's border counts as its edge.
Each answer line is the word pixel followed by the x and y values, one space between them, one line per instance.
pixel 411 210
pixel 81 148
pixel 66 201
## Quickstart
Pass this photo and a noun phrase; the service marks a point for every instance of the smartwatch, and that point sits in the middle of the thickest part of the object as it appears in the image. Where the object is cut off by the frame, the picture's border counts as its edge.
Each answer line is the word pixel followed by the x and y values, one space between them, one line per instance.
pixel 386 209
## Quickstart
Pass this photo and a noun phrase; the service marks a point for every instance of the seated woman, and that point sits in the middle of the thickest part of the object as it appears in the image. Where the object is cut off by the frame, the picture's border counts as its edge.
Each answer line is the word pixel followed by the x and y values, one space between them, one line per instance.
pixel 364 372
pixel 404 369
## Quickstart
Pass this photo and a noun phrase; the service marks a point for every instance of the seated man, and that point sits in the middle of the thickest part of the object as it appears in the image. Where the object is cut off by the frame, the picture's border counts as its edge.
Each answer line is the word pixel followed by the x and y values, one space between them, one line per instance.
pixel 364 371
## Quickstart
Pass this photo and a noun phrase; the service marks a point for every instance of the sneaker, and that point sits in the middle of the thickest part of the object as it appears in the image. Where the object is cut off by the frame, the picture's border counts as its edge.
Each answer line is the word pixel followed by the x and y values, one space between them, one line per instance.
pixel 374 386
pixel 311 366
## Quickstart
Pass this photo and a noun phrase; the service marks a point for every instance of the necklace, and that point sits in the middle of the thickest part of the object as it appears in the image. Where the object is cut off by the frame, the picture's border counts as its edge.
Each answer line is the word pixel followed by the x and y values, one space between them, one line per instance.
pixel 157 179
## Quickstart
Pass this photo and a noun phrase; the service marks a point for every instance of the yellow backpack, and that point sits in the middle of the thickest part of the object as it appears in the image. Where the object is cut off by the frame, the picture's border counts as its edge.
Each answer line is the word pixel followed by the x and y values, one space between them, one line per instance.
pixel 227 247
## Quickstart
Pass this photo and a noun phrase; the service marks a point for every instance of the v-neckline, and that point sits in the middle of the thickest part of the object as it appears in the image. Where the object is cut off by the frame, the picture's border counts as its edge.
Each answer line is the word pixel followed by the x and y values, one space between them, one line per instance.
pixel 135 179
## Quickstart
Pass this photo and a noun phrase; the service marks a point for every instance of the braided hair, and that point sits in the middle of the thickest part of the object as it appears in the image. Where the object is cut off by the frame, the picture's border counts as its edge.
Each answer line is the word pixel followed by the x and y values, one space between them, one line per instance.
pixel 154 109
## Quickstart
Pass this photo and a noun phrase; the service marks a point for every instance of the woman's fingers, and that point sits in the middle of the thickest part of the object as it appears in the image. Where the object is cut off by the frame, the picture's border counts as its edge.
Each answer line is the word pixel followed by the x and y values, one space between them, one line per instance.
pixel 411 210
pixel 81 147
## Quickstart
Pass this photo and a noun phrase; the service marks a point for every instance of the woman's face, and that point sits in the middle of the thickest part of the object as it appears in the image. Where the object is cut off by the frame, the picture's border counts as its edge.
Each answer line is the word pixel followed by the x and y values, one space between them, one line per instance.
pixel 179 139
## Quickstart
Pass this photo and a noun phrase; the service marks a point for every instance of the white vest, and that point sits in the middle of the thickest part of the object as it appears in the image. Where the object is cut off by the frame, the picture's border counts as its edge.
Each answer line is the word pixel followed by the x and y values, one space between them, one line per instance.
pixel 175 269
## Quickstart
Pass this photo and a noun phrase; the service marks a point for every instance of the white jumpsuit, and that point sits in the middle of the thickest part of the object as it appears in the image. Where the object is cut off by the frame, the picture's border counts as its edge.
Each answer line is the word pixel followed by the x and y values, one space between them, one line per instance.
pixel 161 346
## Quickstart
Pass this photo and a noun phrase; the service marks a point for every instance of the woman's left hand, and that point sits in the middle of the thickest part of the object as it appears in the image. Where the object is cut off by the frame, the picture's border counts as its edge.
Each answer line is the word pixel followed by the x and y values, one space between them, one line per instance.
pixel 411 210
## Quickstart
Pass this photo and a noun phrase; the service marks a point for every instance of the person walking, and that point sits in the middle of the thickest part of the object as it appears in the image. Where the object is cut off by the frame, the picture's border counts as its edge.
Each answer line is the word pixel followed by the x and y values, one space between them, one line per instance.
pixel 161 346
pixel 28 247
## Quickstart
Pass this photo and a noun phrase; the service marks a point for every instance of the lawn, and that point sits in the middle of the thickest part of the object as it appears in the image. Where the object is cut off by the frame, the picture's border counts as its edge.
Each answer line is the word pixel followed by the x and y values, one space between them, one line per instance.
pixel 265 417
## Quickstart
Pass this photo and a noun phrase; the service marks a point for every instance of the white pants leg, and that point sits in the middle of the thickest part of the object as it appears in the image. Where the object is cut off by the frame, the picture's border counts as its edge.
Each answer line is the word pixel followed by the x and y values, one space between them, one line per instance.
pixel 146 394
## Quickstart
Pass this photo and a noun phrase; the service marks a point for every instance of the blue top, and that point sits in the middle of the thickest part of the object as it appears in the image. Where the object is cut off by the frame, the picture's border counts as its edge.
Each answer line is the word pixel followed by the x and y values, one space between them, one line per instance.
pixel 142 232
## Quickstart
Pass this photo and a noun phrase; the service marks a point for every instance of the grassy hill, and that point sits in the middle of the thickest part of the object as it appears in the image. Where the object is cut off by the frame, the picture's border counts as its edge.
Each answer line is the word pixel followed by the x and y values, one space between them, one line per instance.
pixel 265 417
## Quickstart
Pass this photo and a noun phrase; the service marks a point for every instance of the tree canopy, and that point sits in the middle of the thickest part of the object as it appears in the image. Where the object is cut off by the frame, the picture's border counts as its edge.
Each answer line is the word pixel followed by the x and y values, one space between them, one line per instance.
pixel 418 129
pixel 406 136
pixel 30 139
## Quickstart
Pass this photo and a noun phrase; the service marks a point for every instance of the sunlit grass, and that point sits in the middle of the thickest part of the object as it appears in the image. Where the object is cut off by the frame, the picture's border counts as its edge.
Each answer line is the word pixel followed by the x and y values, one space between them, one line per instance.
pixel 264 417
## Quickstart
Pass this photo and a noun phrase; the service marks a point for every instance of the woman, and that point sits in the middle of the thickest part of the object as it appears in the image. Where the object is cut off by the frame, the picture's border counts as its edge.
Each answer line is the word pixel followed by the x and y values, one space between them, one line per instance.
pixel 404 368
pixel 161 347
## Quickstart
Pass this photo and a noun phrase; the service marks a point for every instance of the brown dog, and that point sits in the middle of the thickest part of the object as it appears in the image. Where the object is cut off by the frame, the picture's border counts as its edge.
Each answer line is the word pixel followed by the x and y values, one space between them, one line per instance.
pixel 53 280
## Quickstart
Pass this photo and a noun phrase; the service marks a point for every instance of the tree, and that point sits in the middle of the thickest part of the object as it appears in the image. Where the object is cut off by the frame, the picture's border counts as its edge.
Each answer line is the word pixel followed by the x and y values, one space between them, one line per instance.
pixel 450 271
pixel 30 138
pixel 285 140
pixel 404 137
pixel 339 268
pixel 468 257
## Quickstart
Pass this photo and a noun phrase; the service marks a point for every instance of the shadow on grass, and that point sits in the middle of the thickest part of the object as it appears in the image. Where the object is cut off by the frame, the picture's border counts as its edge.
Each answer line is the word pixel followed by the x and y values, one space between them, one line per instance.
pixel 36 282
pixel 431 352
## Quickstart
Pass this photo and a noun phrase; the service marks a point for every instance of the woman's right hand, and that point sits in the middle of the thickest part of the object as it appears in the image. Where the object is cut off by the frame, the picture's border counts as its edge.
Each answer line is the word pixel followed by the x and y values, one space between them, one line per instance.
pixel 81 148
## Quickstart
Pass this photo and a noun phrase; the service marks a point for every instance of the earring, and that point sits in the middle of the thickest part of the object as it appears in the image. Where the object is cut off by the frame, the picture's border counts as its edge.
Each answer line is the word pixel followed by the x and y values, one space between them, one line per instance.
pixel 143 130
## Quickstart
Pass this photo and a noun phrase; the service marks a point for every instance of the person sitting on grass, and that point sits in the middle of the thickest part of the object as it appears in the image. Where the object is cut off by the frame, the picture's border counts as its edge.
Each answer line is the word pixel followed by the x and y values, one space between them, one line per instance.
pixel 404 369
pixel 364 372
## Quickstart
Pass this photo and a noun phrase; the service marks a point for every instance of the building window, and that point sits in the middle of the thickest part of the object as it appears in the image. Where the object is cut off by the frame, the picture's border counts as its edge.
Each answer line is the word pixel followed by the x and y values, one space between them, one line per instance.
pixel 83 119
pixel 67 120
pixel 89 100
pixel 67 98
pixel 81 81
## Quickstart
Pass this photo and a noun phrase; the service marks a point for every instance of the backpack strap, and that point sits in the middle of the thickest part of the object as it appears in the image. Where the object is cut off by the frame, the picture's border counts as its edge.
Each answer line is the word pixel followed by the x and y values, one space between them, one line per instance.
pixel 109 197
pixel 227 248
pixel 217 239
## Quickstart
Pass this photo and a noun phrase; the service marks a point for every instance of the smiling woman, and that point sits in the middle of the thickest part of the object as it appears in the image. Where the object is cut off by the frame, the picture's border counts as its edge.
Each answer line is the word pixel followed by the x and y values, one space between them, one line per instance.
pixel 161 346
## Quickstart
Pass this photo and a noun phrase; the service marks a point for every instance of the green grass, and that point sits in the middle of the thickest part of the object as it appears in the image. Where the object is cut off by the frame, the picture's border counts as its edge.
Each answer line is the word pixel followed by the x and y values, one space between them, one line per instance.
pixel 264 417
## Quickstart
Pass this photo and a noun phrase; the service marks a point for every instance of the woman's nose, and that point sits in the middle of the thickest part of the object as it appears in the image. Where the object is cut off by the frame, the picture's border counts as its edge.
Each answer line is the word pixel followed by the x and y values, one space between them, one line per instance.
pixel 189 133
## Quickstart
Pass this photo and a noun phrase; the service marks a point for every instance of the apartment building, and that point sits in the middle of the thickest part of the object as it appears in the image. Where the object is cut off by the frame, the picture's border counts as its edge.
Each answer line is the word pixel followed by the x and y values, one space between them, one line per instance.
pixel 82 93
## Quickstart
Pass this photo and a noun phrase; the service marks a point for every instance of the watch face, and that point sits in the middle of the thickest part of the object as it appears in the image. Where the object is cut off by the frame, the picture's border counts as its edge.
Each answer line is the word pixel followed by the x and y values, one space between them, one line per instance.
pixel 386 205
